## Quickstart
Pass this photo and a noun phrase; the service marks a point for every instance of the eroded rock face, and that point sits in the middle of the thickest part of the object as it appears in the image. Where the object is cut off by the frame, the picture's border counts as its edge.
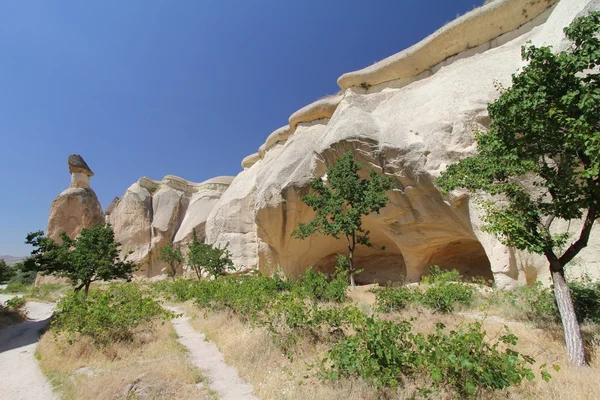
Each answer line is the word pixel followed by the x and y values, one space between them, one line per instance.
pixel 409 116
pixel 75 208
pixel 152 213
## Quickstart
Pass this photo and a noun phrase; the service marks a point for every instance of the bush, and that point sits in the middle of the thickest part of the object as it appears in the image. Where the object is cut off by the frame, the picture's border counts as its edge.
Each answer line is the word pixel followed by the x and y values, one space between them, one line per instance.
pixel 386 352
pixel 538 303
pixel 444 296
pixel 392 299
pixel 15 287
pixel 15 303
pixel 586 296
pixel 107 316
pixel 22 275
pixel 441 291
pixel 437 275
pixel 317 286
pixel 6 272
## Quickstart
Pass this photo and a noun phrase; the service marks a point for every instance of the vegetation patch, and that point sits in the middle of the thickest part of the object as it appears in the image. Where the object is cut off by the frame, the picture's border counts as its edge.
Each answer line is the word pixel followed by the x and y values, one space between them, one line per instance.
pixel 150 365
pixel 107 316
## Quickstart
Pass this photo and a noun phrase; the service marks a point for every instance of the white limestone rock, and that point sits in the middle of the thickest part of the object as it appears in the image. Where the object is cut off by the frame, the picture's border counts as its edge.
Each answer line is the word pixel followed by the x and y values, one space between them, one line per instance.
pixel 153 213
pixel 409 116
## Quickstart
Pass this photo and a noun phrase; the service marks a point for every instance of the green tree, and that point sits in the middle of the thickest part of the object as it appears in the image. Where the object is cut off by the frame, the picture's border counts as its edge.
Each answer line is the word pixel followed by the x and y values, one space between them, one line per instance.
pixel 210 259
pixel 172 256
pixel 540 159
pixel 92 256
pixel 341 201
pixel 22 274
pixel 6 272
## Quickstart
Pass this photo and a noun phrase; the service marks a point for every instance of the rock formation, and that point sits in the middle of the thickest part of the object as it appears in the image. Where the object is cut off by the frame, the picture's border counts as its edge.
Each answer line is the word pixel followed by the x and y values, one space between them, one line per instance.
pixel 408 116
pixel 152 213
pixel 75 208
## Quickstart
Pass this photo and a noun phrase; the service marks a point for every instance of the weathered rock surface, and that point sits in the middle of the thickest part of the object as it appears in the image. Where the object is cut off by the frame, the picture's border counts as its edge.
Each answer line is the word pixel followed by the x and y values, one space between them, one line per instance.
pixel 75 208
pixel 152 213
pixel 408 116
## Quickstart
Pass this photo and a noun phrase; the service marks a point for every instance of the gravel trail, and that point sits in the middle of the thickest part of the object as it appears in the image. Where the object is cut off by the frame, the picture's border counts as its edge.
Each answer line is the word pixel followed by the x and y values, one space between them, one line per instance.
pixel 206 356
pixel 21 375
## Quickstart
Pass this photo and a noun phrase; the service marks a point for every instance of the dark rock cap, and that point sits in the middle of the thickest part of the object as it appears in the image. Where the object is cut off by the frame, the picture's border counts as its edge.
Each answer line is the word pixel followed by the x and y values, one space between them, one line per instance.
pixel 78 164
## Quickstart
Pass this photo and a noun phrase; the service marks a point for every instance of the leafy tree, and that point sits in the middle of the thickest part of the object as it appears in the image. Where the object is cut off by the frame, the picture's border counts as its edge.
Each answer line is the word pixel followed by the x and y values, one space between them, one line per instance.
pixel 540 159
pixel 6 272
pixel 340 203
pixel 92 256
pixel 22 274
pixel 210 259
pixel 172 256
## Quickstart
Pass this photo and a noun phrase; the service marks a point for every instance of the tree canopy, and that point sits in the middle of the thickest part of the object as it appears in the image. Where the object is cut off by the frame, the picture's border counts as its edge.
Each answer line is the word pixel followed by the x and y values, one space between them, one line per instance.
pixel 540 159
pixel 92 256
pixel 341 200
pixel 213 260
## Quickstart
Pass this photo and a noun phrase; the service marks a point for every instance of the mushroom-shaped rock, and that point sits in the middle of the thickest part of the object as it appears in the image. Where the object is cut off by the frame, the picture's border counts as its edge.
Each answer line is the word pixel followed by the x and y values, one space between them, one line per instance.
pixel 78 164
pixel 75 208
pixel 80 172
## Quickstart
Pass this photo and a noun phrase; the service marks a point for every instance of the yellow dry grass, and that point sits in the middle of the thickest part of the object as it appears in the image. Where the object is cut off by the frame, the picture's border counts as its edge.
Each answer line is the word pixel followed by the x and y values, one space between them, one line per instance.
pixel 153 366
pixel 274 376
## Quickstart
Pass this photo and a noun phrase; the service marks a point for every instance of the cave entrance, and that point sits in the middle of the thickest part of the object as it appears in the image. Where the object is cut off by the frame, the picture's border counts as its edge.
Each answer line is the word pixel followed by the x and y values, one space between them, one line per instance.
pixel 378 266
pixel 465 255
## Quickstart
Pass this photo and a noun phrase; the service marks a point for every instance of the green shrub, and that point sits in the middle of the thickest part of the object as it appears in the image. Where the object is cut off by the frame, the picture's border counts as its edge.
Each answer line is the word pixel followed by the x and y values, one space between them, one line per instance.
pixel 437 275
pixel 15 287
pixel 444 296
pixel 23 275
pixel 386 352
pixel 586 296
pixel 444 290
pixel 109 315
pixel 440 291
pixel 15 303
pixel 317 286
pixel 538 303
pixel 392 299
pixel 6 272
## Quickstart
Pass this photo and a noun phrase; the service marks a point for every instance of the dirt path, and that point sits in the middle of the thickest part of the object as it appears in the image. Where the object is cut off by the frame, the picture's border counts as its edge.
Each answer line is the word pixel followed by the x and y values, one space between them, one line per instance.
pixel 206 356
pixel 21 375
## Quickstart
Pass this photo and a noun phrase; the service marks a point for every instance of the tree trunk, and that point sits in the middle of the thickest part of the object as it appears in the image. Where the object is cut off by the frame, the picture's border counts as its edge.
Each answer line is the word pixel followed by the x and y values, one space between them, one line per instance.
pixel 351 269
pixel 87 288
pixel 564 300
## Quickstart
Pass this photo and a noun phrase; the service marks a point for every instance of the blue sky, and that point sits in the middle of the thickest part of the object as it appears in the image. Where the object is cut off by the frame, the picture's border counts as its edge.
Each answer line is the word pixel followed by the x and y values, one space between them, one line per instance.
pixel 189 88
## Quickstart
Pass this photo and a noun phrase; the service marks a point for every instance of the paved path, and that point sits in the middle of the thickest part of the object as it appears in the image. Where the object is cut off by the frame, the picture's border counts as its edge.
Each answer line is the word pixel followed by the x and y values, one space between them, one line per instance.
pixel 20 372
pixel 206 356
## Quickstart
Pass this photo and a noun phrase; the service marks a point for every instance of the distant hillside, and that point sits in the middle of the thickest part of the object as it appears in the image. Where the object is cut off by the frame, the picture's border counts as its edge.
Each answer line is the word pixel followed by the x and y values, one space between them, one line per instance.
pixel 11 260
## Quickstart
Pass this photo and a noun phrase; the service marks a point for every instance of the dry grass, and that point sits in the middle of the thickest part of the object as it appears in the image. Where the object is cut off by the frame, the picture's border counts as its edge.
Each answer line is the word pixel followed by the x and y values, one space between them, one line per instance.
pixel 10 317
pixel 274 376
pixel 153 366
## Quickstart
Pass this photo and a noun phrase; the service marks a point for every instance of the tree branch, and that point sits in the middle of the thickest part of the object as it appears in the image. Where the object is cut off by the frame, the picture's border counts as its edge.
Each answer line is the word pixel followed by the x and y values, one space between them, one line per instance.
pixel 584 235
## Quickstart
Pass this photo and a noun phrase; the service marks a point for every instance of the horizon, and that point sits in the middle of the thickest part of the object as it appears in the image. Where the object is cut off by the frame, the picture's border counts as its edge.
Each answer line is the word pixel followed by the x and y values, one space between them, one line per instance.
pixel 187 89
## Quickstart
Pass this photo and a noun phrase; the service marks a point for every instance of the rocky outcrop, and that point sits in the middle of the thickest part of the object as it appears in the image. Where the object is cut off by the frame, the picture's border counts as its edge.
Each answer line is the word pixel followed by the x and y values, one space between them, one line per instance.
pixel 75 208
pixel 152 213
pixel 409 117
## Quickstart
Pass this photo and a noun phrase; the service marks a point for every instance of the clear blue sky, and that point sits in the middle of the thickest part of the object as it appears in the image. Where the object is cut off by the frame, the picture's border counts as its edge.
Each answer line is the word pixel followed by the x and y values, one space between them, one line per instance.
pixel 189 88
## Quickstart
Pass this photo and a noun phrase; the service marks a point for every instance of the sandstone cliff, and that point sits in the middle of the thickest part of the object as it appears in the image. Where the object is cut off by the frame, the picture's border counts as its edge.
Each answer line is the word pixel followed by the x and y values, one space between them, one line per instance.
pixel 408 116
pixel 152 213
